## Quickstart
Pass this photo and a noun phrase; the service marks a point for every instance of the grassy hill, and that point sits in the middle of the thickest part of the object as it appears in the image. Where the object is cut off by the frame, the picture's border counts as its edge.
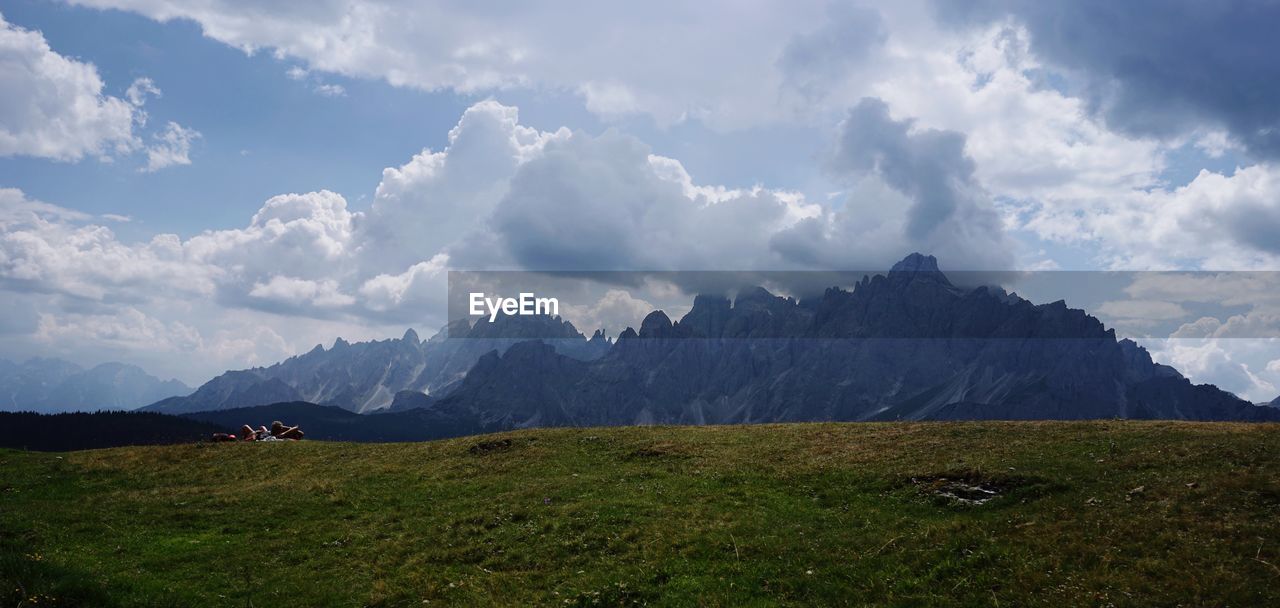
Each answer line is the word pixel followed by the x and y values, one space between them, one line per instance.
pixel 1082 513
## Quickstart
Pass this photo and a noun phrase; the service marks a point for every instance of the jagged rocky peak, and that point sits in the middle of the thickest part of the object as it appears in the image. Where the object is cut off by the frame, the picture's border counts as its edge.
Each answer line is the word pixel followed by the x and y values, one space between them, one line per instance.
pixel 708 315
pixel 752 296
pixel 544 327
pixel 918 266
pixel 455 329
pixel 759 299
pixel 530 350
pixel 411 337
pixel 710 303
pixel 999 293
pixel 655 325
pixel 916 262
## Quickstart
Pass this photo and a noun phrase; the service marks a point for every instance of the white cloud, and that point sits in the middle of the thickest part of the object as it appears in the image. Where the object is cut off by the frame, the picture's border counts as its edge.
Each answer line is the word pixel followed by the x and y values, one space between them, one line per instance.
pixel 305 237
pixel 609 98
pixel 170 147
pixel 330 90
pixel 16 208
pixel 1223 363
pixel 669 59
pixel 616 310
pixel 1053 169
pixel 49 249
pixel 1142 310
pixel 421 285
pixel 500 195
pixel 1027 140
pixel 1042 153
pixel 424 205
pixel 602 203
pixel 137 94
pixel 503 195
pixel 53 106
pixel 1060 174
pixel 249 345
pixel 299 293
pixel 129 328
pixel 1254 324
pixel 1217 222
pixel 1230 288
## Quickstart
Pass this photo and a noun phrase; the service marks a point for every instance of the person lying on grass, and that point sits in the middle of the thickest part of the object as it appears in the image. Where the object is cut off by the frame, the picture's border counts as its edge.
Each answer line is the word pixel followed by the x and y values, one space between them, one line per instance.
pixel 278 432
pixel 278 429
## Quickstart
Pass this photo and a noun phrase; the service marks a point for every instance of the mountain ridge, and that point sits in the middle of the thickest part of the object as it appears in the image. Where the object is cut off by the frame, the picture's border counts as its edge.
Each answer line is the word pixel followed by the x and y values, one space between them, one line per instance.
pixel 365 377
pixel 51 385
pixel 905 345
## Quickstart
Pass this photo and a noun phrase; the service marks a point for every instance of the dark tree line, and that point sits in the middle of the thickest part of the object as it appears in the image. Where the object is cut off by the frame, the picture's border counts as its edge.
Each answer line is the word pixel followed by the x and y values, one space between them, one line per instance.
pixel 84 431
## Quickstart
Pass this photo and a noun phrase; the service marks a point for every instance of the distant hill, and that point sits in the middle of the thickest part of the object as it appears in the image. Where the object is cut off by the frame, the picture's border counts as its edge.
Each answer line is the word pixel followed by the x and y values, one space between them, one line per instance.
pixel 54 385
pixel 85 431
pixel 365 376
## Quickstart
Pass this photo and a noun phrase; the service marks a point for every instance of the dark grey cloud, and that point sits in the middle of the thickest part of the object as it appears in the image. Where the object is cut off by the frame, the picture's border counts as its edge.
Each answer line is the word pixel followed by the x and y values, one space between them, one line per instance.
pixel 926 174
pixel 928 166
pixel 1256 224
pixel 1158 67
pixel 604 203
pixel 813 62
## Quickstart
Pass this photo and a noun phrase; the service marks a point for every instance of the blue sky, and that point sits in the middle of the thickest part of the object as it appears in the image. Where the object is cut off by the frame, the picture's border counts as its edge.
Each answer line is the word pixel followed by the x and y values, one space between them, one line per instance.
pixel 309 170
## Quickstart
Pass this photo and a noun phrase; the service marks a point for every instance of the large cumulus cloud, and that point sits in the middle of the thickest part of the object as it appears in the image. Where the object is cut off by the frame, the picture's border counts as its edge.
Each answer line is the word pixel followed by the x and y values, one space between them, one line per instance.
pixel 499 195
pixel 608 203
pixel 53 106
pixel 49 249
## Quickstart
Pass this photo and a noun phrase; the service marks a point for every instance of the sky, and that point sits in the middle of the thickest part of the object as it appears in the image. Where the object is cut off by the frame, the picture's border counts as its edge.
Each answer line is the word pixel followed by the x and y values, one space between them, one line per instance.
pixel 194 186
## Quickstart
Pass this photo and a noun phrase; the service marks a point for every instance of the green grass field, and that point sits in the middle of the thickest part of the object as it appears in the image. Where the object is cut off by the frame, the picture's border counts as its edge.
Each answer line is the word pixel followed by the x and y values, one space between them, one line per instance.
pixel 1085 514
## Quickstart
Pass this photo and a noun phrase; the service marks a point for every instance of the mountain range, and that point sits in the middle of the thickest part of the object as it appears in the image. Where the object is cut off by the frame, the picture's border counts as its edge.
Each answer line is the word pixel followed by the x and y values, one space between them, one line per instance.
pixel 903 345
pixel 54 385
pixel 366 376
pixel 906 345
